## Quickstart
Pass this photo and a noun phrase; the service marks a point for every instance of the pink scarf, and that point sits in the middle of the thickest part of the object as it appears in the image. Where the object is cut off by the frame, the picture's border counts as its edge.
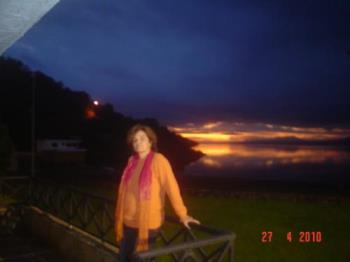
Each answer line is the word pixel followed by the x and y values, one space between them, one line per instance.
pixel 145 176
pixel 145 180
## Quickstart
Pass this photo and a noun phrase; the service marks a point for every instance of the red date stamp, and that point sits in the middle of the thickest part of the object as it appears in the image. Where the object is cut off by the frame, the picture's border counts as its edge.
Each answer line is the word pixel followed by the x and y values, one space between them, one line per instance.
pixel 266 236
pixel 301 236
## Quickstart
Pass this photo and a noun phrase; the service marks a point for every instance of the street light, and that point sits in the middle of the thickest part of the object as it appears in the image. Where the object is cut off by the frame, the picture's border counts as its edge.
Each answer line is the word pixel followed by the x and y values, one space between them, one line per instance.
pixel 90 112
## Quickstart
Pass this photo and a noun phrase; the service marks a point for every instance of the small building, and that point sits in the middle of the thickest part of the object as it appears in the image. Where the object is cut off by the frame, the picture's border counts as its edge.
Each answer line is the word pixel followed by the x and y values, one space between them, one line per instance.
pixel 61 145
pixel 60 151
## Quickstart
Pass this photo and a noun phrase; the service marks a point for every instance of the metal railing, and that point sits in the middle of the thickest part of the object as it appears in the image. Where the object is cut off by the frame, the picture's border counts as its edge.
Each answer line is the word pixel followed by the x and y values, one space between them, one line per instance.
pixel 201 243
pixel 95 215
pixel 14 187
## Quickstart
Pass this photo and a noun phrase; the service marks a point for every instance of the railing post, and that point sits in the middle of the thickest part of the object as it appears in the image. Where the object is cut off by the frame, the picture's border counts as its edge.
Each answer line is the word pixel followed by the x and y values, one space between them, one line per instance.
pixel 28 192
pixel 70 215
pixel 102 221
pixel 1 181
pixel 230 252
pixel 85 213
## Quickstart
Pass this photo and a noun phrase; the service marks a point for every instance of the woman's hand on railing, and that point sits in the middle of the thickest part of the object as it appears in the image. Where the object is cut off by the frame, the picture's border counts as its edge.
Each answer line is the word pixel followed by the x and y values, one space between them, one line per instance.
pixel 188 220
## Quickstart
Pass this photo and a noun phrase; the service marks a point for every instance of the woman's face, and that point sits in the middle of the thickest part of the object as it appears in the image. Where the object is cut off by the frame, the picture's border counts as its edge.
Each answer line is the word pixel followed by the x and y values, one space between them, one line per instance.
pixel 141 142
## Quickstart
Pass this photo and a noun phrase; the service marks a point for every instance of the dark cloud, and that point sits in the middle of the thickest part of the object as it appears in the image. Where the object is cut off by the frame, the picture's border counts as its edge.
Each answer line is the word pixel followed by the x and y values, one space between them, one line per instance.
pixel 275 61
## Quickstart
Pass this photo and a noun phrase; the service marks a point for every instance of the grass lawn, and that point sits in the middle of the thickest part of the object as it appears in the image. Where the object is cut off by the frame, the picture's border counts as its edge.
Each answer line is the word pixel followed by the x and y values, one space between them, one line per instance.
pixel 248 219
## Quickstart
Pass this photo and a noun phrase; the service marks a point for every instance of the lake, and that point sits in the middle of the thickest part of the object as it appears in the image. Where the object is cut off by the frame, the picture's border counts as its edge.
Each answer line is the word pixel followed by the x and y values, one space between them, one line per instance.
pixel 273 162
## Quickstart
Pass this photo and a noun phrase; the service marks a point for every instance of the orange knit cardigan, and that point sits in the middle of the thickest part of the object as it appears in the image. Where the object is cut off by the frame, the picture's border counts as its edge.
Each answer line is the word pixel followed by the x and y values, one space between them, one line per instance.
pixel 150 212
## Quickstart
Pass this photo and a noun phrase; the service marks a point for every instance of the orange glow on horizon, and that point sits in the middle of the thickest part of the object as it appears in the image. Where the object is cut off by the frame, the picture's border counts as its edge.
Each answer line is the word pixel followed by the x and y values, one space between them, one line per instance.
pixel 215 150
pixel 237 132
pixel 207 136
pixel 211 125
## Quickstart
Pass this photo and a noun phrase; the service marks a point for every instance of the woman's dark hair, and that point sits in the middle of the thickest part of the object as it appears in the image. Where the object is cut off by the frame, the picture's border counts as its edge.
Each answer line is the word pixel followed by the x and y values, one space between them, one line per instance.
pixel 149 132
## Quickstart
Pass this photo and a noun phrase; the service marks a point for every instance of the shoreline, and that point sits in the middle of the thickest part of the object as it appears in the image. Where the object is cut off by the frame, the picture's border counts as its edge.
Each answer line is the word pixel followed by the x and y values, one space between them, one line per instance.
pixel 234 187
pixel 237 187
pixel 256 195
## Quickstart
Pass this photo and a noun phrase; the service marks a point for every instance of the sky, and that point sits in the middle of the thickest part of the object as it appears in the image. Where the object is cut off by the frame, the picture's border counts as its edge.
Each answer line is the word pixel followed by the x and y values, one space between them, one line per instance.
pixel 262 69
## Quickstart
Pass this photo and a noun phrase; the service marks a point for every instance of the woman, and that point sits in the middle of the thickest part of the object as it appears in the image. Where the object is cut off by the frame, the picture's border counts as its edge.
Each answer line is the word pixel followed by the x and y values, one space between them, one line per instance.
pixel 146 179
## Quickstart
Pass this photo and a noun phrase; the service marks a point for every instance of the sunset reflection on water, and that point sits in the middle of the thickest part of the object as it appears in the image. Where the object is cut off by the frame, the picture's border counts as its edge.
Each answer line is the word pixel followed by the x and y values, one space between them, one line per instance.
pixel 220 154
pixel 271 161
pixel 264 150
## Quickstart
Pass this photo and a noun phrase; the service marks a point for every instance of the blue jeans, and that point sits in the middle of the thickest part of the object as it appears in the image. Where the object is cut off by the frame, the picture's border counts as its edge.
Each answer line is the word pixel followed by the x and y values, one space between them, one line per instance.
pixel 128 242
